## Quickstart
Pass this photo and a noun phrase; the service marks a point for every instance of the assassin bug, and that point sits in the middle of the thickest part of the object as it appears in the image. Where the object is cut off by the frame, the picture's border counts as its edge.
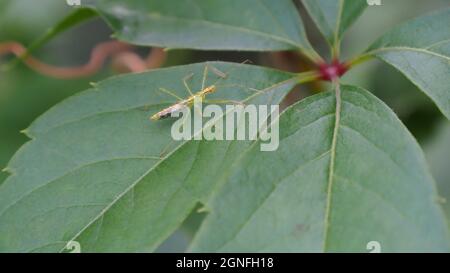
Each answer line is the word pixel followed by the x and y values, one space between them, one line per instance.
pixel 189 102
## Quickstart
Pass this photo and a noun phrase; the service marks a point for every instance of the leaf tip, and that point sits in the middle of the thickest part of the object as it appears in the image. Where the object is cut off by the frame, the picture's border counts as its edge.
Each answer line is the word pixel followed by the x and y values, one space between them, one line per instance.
pixel 7 170
pixel 203 209
pixel 26 132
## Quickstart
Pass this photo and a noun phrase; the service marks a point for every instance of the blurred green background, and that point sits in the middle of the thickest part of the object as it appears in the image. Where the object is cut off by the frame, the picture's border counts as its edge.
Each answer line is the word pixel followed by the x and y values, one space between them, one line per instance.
pixel 25 94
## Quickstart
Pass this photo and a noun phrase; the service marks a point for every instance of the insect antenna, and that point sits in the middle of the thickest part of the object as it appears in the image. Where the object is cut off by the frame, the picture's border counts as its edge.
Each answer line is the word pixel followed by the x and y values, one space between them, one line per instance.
pixel 224 75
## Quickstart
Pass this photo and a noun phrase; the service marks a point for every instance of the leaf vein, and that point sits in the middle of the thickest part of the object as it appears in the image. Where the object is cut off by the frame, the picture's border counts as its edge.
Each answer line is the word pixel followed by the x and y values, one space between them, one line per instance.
pixel 267 196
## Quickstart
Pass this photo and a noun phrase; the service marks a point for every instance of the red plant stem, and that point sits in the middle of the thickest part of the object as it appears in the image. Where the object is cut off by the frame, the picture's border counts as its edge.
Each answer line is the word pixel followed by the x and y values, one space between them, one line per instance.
pixel 121 53
pixel 130 61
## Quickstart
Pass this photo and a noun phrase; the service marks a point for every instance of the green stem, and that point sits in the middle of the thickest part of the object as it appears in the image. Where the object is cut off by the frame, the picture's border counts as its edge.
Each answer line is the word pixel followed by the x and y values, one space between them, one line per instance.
pixel 359 60
pixel 308 76
pixel 335 50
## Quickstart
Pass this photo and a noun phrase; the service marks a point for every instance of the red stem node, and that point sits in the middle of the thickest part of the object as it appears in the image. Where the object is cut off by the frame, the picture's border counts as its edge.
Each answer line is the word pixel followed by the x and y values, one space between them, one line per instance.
pixel 332 71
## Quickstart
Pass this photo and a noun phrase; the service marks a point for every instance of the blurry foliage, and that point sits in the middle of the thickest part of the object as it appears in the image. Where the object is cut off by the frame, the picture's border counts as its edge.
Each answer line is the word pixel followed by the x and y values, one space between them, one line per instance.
pixel 25 94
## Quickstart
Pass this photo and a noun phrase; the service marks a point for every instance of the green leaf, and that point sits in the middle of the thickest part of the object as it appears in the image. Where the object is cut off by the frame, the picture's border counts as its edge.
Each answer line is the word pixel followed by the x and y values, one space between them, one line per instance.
pixel 92 172
pixel 334 17
pixel 437 150
pixel 257 25
pixel 342 177
pixel 420 49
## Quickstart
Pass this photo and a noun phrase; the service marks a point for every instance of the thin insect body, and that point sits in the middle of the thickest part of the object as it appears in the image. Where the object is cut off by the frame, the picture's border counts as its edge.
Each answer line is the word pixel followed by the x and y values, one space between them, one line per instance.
pixel 167 112
pixel 199 96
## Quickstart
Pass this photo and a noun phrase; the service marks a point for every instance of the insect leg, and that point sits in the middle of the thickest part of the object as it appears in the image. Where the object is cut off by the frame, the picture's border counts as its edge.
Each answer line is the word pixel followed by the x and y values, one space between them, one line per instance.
pixel 185 79
pixel 216 71
pixel 240 86
pixel 205 75
pixel 224 102
pixel 170 93
pixel 224 75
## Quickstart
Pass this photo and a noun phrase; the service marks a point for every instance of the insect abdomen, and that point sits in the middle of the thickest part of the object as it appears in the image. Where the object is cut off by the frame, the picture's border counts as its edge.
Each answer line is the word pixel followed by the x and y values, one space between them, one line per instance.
pixel 166 113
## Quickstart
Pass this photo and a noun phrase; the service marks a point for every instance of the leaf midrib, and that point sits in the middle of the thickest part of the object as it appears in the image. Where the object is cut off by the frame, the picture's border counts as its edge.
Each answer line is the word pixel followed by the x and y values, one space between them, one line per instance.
pixel 332 164
pixel 405 48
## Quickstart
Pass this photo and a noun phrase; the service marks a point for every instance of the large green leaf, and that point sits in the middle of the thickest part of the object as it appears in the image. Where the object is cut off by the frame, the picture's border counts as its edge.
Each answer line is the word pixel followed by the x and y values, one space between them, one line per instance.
pixel 420 49
pixel 334 17
pixel 208 24
pixel 343 177
pixel 92 171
